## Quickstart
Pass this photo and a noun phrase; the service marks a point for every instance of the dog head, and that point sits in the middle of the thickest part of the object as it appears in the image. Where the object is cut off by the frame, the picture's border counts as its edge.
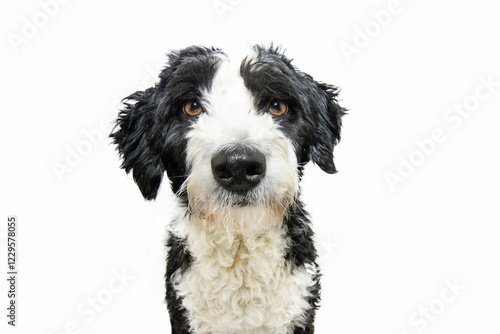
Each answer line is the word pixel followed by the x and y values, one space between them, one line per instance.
pixel 232 135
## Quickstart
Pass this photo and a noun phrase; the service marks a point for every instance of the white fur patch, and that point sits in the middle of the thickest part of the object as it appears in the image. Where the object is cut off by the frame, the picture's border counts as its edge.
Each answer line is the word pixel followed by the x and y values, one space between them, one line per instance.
pixel 240 283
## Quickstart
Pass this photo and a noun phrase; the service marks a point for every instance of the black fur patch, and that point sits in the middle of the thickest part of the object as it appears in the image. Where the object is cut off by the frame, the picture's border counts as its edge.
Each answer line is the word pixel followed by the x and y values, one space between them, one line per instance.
pixel 178 258
pixel 300 252
pixel 301 249
pixel 151 134
pixel 313 120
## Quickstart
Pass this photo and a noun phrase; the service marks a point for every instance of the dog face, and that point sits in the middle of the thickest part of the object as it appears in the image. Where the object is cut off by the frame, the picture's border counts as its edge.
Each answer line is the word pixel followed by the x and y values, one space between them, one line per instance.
pixel 232 134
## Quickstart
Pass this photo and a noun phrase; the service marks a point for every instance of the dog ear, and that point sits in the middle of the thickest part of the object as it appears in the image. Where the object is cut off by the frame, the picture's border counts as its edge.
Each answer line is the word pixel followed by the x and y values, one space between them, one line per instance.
pixel 327 124
pixel 133 137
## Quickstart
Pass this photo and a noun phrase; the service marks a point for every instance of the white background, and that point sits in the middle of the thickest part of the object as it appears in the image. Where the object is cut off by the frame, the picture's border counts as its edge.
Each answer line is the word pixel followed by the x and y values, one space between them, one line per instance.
pixel 388 253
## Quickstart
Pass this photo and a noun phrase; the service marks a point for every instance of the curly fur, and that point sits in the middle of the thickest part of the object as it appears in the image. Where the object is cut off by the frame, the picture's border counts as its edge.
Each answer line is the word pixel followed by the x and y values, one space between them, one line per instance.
pixel 238 262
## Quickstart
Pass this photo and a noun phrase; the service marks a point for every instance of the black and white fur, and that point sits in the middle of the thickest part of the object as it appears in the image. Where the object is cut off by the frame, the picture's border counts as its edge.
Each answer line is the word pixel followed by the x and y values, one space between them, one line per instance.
pixel 240 259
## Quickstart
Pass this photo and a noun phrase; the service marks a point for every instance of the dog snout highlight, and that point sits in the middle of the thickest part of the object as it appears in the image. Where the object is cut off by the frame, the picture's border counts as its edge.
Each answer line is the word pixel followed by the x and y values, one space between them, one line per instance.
pixel 238 169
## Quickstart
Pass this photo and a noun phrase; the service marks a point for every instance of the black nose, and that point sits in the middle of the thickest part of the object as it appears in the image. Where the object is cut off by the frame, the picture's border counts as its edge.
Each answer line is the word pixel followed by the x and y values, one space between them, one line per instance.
pixel 239 169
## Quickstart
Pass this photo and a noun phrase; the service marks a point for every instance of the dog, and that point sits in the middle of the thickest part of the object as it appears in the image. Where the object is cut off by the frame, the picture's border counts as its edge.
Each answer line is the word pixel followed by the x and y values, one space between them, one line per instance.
pixel 233 136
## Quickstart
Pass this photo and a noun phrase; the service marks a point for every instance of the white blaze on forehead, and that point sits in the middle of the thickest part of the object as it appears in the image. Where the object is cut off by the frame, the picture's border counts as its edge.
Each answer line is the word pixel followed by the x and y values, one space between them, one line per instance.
pixel 231 117
pixel 228 89
pixel 231 104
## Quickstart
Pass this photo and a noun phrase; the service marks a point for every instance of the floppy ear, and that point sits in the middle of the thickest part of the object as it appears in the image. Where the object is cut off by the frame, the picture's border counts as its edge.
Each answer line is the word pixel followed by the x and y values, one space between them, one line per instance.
pixel 133 136
pixel 327 126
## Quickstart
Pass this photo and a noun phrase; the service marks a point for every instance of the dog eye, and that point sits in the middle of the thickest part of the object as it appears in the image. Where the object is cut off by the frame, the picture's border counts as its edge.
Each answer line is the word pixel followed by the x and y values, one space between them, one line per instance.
pixel 278 108
pixel 192 108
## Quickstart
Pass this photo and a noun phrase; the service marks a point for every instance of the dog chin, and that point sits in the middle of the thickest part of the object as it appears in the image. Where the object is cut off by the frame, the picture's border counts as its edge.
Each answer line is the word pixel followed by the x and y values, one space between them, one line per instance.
pixel 241 215
pixel 242 199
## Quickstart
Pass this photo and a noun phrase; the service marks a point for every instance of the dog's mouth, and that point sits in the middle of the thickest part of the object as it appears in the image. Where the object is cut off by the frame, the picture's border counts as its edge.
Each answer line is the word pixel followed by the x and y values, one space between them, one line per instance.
pixel 254 210
pixel 238 199
pixel 241 202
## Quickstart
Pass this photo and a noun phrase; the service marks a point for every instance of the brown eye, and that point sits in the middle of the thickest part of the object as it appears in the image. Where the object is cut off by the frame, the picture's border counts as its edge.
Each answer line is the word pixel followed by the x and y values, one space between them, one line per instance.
pixel 278 108
pixel 192 108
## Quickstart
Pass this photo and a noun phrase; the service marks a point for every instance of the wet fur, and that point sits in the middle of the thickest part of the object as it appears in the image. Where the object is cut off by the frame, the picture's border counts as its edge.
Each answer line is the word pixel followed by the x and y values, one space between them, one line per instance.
pixel 225 272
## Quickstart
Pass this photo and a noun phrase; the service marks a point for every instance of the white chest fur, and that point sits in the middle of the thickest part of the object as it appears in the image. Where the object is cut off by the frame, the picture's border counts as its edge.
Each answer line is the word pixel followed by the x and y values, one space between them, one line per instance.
pixel 240 283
